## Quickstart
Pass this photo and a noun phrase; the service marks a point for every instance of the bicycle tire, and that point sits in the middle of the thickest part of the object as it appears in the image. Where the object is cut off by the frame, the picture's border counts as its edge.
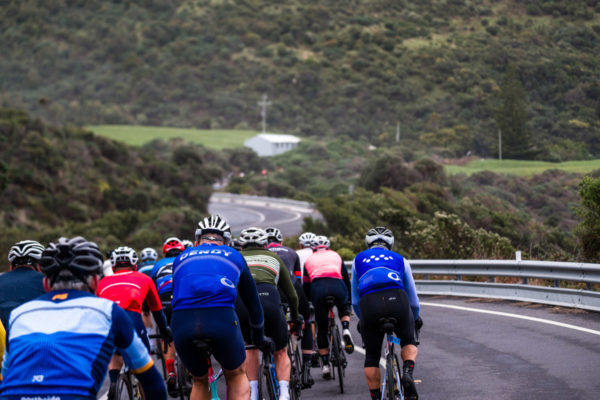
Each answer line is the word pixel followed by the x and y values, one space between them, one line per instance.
pixel 393 385
pixel 265 384
pixel 182 380
pixel 161 356
pixel 123 390
pixel 338 356
pixel 295 373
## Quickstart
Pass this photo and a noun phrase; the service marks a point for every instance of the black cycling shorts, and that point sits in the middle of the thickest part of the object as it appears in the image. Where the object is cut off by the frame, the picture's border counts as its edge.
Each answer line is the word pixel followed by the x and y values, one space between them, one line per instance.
pixel 166 300
pixel 384 304
pixel 275 325
pixel 220 324
pixel 321 288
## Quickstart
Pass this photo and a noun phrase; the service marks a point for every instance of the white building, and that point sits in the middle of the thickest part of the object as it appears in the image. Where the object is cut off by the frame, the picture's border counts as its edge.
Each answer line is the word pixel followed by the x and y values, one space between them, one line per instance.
pixel 270 144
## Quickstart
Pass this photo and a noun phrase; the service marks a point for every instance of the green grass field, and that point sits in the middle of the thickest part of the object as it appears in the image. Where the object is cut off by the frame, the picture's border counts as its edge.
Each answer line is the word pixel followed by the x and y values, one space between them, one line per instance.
pixel 139 135
pixel 521 168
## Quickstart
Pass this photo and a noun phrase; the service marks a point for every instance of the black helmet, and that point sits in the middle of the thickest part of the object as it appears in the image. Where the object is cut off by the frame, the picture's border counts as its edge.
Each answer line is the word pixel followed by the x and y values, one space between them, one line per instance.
pixel 380 234
pixel 77 255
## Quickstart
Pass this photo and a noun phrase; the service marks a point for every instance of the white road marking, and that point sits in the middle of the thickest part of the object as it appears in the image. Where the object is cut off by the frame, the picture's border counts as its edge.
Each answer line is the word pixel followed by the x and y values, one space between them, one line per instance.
pixel 504 314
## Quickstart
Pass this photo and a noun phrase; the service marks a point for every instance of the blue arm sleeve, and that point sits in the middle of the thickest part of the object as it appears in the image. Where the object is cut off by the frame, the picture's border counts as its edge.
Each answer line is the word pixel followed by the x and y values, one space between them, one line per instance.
pixel 153 384
pixel 249 295
pixel 130 345
pixel 355 298
pixel 411 290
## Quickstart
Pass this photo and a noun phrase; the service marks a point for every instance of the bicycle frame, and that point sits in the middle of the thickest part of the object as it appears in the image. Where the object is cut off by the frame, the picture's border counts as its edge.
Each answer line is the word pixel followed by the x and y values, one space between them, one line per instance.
pixel 392 372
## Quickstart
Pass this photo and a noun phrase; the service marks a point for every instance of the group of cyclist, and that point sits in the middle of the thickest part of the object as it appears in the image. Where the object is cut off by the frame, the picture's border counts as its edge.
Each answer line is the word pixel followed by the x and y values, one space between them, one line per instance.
pixel 70 317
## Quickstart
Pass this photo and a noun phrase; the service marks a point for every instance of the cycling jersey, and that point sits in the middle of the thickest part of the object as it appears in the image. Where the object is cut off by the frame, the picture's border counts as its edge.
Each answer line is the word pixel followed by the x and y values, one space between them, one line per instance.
pixel 323 263
pixel 378 269
pixel 289 257
pixel 17 287
pixel 146 267
pixel 303 255
pixel 162 274
pixel 59 345
pixel 266 267
pixel 129 289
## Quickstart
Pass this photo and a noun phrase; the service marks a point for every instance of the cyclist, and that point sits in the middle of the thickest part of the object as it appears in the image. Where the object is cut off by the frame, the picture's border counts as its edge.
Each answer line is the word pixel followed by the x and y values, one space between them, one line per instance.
pixel 205 279
pixel 162 275
pixel 269 273
pixel 187 243
pixel 292 262
pixel 305 250
pixel 107 266
pixel 383 286
pixel 148 257
pixel 24 280
pixel 130 289
pixel 325 275
pixel 58 345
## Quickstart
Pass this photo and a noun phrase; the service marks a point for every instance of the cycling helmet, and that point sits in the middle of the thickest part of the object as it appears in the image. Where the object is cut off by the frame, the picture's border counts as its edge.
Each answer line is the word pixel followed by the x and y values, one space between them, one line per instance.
pixel 214 224
pixel 256 236
pixel 380 234
pixel 236 243
pixel 26 252
pixel 306 238
pixel 319 242
pixel 124 257
pixel 148 254
pixel 172 243
pixel 187 243
pixel 77 255
pixel 274 235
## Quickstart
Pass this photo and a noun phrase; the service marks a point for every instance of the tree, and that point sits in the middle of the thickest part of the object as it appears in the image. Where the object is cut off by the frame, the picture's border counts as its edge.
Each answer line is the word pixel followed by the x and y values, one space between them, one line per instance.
pixel 512 118
pixel 588 231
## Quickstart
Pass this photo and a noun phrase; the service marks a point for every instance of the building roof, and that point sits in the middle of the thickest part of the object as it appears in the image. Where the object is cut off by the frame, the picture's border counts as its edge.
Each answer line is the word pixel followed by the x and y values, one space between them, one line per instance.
pixel 278 138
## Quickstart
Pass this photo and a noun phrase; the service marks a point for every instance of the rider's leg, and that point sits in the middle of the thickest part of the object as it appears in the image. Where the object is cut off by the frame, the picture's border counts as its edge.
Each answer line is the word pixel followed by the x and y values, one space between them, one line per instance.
pixel 238 387
pixel 200 388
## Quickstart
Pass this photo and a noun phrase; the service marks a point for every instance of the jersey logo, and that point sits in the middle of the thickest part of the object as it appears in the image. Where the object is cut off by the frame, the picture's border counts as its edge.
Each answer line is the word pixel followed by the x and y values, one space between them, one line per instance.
pixel 38 378
pixel 377 258
pixel 62 296
pixel 394 276
pixel 227 282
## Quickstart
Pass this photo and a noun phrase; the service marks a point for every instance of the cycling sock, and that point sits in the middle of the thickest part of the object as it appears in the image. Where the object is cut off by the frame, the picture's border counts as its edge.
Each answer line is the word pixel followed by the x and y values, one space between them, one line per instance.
pixel 113 374
pixel 375 394
pixel 307 359
pixel 325 358
pixel 170 365
pixel 253 390
pixel 345 324
pixel 284 391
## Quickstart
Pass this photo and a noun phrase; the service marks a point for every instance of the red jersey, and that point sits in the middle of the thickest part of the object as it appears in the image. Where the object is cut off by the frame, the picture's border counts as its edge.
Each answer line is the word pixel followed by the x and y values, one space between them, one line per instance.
pixel 129 289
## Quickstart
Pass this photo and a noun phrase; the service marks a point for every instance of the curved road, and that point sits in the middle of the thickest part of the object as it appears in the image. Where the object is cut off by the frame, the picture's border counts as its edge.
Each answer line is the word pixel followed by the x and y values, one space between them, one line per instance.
pixel 243 211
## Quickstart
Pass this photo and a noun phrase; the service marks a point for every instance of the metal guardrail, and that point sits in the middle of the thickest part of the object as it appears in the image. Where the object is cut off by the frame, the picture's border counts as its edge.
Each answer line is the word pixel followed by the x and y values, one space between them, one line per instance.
pixel 523 291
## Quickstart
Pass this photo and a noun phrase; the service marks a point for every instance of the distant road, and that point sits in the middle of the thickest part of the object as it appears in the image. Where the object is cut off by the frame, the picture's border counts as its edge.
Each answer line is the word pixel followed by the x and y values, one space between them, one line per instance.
pixel 243 211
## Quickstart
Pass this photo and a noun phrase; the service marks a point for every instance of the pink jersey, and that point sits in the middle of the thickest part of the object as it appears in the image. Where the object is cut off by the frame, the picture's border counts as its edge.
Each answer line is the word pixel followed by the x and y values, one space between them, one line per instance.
pixel 324 264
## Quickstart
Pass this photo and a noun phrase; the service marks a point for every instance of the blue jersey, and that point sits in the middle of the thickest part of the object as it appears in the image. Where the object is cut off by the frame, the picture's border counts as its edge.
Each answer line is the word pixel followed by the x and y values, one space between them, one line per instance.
pixel 146 267
pixel 60 344
pixel 378 269
pixel 162 275
pixel 207 276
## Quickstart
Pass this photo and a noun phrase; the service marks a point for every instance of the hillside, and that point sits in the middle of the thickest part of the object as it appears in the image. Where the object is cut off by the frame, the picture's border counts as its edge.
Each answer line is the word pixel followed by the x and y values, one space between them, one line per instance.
pixel 67 181
pixel 351 69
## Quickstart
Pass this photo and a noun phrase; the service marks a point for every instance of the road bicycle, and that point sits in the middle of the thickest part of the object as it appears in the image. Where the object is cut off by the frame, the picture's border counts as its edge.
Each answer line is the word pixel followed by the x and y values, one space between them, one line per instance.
pixel 128 387
pixel 337 356
pixel 205 347
pixel 268 385
pixel 295 355
pixel 391 388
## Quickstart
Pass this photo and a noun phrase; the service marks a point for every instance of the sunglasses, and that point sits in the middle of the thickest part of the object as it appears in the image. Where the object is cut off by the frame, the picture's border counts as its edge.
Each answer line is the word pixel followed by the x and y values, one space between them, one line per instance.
pixel 211 238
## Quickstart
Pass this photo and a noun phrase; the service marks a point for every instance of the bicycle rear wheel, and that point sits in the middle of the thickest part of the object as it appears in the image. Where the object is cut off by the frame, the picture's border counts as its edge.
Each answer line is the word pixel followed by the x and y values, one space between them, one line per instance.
pixel 393 387
pixel 265 384
pixel 295 373
pixel 338 357
pixel 183 380
pixel 123 388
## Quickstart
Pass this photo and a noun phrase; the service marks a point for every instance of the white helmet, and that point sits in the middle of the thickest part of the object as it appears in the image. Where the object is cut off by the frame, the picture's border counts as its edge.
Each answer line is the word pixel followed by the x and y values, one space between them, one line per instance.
pixel 381 235
pixel 274 233
pixel 26 252
pixel 253 235
pixel 148 254
pixel 214 224
pixel 187 243
pixel 319 242
pixel 306 239
pixel 123 256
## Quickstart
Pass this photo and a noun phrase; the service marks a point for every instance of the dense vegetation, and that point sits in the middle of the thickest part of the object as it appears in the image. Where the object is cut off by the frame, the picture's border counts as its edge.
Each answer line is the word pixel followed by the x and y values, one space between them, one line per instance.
pixel 67 181
pixel 452 72
pixel 483 215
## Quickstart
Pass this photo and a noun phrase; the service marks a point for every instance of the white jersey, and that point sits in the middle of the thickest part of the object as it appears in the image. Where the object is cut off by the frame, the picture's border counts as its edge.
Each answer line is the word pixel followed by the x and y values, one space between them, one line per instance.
pixel 303 254
pixel 107 268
